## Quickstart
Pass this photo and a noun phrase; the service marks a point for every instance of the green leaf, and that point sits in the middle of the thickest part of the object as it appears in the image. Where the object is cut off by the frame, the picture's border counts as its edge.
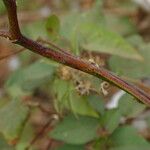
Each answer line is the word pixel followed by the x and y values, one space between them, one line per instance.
pixel 26 137
pixel 73 20
pixel 110 120
pixel 28 79
pixel 84 32
pixel 129 107
pixel 71 147
pixel 53 26
pixel 120 24
pixel 12 118
pixel 78 130
pixel 4 145
pixel 132 68
pixel 97 103
pixel 36 75
pixel 2 8
pixel 68 98
pixel 99 38
pixel 35 29
pixel 127 137
pixel 147 119
pixel 61 89
pixel 80 105
pixel 131 147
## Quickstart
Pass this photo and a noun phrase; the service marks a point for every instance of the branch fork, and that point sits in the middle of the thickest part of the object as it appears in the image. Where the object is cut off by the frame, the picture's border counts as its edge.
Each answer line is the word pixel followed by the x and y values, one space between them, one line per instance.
pixel 62 57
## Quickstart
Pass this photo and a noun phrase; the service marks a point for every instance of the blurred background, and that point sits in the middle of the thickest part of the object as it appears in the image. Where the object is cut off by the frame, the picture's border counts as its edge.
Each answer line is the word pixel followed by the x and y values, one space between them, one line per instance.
pixel 38 95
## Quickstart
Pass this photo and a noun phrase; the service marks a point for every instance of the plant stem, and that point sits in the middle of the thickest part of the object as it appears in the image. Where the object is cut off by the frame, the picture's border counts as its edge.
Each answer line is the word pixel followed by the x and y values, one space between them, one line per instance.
pixel 69 60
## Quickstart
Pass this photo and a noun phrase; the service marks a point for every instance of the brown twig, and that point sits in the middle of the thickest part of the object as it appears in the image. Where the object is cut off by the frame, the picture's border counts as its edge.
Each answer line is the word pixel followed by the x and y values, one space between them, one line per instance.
pixel 69 60
pixel 138 83
pixel 40 133
pixel 53 45
pixel 14 29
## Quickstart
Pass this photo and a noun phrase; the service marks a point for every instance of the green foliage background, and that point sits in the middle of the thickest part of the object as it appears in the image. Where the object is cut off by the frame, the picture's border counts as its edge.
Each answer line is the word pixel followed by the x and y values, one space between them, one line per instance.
pixel 81 119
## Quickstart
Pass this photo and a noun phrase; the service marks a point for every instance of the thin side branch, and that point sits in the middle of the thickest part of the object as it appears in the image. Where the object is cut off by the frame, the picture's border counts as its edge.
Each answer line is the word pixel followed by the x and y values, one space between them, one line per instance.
pixel 69 60
pixel 53 45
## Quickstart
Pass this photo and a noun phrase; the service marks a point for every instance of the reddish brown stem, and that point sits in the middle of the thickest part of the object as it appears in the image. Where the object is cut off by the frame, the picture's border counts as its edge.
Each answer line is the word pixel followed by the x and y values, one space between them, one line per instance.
pixel 69 60
pixel 13 21
pixel 53 45
pixel 40 133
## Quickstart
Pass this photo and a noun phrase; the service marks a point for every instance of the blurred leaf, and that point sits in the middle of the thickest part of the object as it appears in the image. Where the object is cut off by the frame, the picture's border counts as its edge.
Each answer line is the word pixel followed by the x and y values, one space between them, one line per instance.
pixel 122 25
pixel 2 8
pixel 71 147
pixel 26 137
pixel 110 120
pixel 35 30
pixel 12 118
pixel 132 68
pixel 99 38
pixel 131 147
pixel 127 137
pixel 73 21
pixel 68 98
pixel 87 33
pixel 53 26
pixel 97 103
pixel 61 89
pixel 80 105
pixel 78 130
pixel 136 40
pixel 13 84
pixel 129 107
pixel 37 74
pixel 27 79
pixel 4 145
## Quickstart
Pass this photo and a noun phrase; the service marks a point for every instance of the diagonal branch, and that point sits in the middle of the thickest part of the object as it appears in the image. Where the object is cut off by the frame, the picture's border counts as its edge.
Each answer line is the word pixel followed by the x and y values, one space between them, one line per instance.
pixel 69 60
